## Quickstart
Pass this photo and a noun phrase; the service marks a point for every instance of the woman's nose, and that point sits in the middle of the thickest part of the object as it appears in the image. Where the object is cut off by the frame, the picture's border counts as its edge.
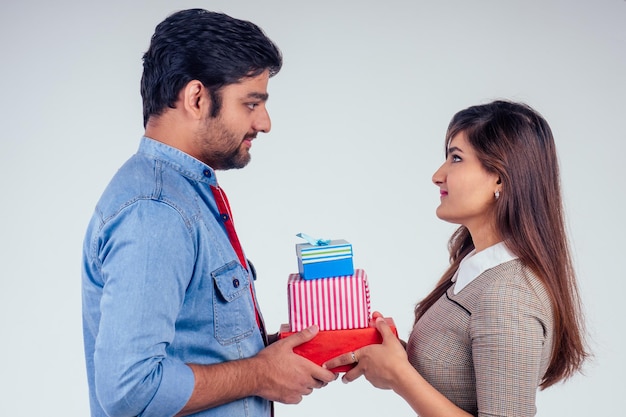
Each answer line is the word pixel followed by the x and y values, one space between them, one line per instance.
pixel 439 176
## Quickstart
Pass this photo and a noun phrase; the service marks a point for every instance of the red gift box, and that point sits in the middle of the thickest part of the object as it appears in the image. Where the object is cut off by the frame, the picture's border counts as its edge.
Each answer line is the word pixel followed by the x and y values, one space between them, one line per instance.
pixel 332 343
pixel 334 303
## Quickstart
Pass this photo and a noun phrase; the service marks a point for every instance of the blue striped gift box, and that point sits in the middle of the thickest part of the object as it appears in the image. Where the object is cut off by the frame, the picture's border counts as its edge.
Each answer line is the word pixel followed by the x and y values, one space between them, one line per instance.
pixel 323 261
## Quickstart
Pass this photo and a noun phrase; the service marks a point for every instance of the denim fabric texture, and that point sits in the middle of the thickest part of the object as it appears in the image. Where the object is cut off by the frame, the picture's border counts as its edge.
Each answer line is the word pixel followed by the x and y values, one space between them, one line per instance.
pixel 162 287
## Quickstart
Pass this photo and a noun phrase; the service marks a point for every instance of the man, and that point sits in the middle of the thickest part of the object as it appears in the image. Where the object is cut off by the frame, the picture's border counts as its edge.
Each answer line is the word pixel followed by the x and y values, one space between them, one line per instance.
pixel 171 323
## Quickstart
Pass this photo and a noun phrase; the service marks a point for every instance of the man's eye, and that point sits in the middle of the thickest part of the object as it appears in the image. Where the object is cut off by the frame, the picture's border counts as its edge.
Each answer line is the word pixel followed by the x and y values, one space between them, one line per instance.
pixel 252 106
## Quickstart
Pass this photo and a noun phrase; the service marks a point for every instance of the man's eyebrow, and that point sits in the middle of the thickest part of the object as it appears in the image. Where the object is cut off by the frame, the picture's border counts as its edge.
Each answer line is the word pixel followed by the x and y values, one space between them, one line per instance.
pixel 259 96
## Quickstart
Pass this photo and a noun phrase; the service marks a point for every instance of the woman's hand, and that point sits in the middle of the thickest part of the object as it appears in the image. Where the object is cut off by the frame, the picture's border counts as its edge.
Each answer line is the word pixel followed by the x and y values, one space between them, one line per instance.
pixel 386 366
pixel 381 364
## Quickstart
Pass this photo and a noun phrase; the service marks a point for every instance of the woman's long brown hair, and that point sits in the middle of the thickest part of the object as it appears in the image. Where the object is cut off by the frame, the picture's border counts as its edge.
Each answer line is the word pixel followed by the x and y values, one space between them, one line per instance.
pixel 514 141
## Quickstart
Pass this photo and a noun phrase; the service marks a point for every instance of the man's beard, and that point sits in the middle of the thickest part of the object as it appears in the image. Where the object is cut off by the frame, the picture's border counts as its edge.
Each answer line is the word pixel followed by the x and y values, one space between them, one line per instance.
pixel 218 147
pixel 235 159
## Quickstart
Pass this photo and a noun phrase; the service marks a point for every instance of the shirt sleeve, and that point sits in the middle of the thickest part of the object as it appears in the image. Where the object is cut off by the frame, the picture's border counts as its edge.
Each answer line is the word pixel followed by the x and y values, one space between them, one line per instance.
pixel 507 345
pixel 147 257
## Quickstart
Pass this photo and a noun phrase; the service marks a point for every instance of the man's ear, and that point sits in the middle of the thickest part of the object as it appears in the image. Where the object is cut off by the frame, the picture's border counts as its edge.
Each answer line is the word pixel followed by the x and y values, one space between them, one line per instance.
pixel 194 99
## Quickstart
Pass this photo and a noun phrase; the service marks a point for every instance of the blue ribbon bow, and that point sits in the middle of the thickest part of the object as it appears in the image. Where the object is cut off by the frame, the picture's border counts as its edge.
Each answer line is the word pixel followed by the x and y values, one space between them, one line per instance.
pixel 313 241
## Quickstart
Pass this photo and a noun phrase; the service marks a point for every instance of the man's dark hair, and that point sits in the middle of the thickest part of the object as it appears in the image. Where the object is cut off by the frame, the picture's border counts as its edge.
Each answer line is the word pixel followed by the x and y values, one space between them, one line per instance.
pixel 210 47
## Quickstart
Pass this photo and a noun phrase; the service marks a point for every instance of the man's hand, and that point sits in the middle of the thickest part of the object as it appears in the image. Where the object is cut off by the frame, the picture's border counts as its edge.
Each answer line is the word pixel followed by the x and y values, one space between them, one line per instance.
pixel 285 376
pixel 276 373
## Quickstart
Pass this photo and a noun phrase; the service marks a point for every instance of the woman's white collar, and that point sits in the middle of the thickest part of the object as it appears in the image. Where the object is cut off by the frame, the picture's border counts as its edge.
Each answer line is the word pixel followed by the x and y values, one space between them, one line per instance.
pixel 475 263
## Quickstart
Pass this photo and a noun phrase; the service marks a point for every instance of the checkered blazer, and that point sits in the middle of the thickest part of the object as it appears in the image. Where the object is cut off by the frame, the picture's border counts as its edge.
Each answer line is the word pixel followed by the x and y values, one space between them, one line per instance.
pixel 487 347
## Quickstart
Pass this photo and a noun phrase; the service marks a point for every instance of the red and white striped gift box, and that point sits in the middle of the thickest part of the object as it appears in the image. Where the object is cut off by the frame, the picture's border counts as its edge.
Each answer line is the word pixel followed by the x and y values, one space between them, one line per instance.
pixel 335 303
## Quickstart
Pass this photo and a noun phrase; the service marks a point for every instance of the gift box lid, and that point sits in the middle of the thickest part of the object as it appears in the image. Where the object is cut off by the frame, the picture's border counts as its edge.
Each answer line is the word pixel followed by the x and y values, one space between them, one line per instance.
pixel 334 250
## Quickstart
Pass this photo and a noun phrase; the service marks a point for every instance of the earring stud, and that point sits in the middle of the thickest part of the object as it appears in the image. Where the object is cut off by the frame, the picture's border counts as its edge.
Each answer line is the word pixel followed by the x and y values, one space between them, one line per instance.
pixel 497 194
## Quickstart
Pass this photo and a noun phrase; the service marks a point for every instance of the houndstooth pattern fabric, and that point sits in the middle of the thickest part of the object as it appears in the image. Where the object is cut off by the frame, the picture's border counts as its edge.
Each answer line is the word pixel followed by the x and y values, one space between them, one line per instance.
pixel 488 347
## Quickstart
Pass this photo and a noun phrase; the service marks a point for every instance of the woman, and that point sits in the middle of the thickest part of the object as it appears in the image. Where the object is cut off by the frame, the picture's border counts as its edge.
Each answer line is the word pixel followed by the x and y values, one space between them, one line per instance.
pixel 505 317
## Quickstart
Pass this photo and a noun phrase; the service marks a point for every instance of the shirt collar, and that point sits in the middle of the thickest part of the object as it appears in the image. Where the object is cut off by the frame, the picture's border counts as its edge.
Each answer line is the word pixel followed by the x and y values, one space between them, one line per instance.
pixel 179 160
pixel 475 263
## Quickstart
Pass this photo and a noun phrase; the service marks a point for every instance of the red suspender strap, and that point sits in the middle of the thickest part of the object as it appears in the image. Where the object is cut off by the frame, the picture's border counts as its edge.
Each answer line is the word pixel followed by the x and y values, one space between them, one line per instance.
pixel 227 219
pixel 224 208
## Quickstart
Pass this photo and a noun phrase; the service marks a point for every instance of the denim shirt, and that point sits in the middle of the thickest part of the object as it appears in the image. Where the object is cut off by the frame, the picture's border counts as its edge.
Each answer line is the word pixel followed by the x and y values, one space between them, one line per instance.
pixel 162 287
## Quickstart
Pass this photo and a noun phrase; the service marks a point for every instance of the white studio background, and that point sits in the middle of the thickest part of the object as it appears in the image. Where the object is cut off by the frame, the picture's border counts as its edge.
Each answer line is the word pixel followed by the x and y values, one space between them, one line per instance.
pixel 359 112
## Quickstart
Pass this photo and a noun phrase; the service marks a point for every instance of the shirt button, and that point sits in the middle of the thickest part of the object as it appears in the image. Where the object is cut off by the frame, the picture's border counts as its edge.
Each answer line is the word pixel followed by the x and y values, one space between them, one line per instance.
pixel 235 283
pixel 207 172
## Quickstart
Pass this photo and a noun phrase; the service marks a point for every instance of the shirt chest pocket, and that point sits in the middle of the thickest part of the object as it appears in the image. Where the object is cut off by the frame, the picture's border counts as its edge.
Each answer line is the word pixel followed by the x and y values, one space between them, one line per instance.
pixel 233 308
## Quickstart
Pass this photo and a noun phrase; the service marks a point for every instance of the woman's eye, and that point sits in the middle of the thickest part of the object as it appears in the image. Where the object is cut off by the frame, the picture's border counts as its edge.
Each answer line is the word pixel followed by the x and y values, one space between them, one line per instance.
pixel 455 158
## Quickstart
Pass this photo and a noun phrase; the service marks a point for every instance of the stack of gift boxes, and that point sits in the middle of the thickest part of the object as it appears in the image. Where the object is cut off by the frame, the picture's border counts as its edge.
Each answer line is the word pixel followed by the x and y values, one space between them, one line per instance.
pixel 330 293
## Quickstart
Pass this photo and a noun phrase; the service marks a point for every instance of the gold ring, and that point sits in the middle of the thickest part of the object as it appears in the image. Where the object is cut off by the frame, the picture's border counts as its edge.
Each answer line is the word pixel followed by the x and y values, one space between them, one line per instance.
pixel 354 358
